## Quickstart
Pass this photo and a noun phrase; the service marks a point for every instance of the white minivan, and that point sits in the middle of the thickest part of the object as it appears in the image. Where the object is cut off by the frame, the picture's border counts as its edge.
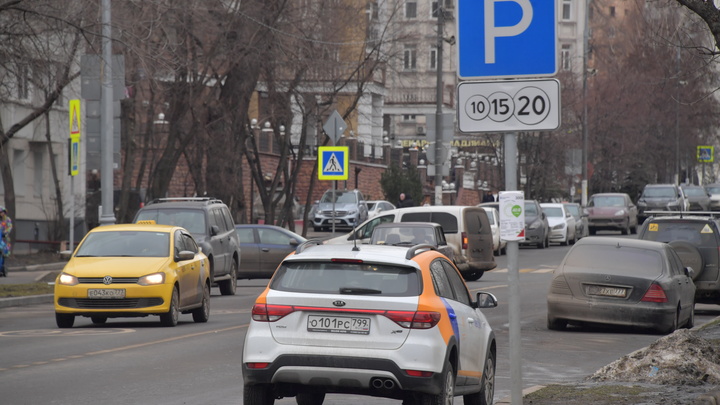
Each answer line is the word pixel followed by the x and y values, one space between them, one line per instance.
pixel 466 229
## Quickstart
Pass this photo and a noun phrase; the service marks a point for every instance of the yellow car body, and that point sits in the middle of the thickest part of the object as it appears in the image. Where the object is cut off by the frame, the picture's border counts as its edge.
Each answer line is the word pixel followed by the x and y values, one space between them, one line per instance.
pixel 133 270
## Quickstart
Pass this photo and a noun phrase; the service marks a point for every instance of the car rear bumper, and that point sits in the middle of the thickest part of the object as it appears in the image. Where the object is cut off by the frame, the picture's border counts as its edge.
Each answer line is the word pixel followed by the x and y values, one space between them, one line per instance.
pixel 608 223
pixel 641 315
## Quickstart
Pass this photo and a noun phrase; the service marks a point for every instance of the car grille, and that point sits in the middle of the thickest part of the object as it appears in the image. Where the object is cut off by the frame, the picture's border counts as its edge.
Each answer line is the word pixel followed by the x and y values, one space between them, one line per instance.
pixel 125 303
pixel 115 280
pixel 337 213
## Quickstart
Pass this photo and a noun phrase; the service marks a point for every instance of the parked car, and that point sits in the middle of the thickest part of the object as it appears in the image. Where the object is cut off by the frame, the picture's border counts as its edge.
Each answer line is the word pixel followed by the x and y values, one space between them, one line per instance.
pixel 696 239
pixel 353 319
pixel 466 229
pixel 581 219
pixel 562 223
pixel 264 247
pixel 377 206
pixel 350 210
pixel 661 197
pixel 537 227
pixel 499 245
pixel 624 282
pixel 612 212
pixel 714 191
pixel 698 198
pixel 133 270
pixel 411 234
pixel 212 226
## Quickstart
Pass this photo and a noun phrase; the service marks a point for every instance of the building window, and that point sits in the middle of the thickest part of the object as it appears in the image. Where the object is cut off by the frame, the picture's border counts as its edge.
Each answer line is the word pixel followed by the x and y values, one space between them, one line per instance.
pixel 23 82
pixel 18 168
pixel 410 9
pixel 565 57
pixel 38 173
pixel 410 57
pixel 567 10
pixel 433 58
pixel 612 11
pixel 409 117
pixel 434 9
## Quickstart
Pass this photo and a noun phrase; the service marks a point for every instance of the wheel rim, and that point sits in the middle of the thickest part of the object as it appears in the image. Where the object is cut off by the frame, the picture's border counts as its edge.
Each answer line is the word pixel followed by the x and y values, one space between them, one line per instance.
pixel 449 388
pixel 489 385
pixel 174 307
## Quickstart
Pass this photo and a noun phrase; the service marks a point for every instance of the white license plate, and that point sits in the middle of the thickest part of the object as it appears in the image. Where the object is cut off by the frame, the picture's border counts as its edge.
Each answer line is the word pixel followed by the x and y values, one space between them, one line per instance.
pixel 335 221
pixel 109 293
pixel 338 324
pixel 606 291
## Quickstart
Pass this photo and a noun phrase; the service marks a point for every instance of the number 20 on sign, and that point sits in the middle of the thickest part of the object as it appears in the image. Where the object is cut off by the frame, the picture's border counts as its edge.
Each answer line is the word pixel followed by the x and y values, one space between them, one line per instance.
pixel 529 105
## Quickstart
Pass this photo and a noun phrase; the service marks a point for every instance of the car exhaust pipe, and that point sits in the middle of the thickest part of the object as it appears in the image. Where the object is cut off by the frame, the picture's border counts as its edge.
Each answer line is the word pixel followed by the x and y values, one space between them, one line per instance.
pixel 379 383
pixel 376 383
pixel 389 384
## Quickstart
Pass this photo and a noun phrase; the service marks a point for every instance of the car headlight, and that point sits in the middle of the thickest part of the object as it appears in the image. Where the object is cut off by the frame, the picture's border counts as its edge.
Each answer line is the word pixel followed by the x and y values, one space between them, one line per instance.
pixel 152 279
pixel 558 226
pixel 67 279
pixel 535 225
pixel 353 211
pixel 619 213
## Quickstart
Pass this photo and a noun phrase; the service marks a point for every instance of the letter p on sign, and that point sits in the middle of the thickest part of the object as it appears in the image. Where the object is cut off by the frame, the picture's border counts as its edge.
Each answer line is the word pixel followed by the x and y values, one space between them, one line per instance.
pixel 492 31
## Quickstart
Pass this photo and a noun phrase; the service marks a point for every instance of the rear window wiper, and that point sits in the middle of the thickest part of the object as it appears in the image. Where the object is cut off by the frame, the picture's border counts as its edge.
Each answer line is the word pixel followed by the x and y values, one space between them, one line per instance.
pixel 356 290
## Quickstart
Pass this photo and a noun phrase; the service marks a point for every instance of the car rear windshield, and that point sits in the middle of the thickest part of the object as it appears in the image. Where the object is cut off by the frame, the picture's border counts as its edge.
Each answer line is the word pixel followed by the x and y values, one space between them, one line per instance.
pixel 697 233
pixel 191 219
pixel 607 201
pixel 574 210
pixel 611 258
pixel 449 222
pixel 125 244
pixel 695 192
pixel 659 192
pixel 347 278
pixel 340 197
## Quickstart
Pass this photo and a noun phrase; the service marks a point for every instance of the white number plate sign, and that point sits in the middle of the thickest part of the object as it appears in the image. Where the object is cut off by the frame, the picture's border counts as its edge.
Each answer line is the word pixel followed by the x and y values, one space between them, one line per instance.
pixel 339 324
pixel 512 105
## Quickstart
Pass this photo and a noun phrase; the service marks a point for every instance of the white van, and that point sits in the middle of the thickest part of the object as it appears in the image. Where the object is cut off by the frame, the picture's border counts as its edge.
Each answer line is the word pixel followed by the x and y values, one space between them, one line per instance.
pixel 466 229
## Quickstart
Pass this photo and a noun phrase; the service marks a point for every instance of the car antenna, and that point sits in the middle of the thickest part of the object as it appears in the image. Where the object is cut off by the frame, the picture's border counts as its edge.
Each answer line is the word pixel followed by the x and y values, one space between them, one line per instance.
pixel 355 248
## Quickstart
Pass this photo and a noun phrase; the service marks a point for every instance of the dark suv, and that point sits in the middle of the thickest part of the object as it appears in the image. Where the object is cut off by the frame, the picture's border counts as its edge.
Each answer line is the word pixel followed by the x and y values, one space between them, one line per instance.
pixel 210 223
pixel 696 239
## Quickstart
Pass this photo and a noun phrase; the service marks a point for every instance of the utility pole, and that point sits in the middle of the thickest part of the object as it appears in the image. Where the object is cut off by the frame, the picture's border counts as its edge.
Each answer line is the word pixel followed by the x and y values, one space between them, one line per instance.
pixel 107 216
pixel 438 104
pixel 586 34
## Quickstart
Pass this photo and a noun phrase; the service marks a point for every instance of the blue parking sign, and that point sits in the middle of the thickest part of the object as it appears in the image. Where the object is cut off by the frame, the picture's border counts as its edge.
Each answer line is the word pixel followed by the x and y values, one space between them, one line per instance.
pixel 506 38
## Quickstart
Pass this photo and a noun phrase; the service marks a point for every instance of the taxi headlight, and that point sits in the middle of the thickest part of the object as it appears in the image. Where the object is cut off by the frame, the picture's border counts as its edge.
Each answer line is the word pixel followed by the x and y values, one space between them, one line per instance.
pixel 67 279
pixel 152 279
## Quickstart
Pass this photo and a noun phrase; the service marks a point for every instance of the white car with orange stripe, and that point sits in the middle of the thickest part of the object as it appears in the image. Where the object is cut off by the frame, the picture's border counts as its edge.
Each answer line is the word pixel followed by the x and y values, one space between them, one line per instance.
pixel 382 321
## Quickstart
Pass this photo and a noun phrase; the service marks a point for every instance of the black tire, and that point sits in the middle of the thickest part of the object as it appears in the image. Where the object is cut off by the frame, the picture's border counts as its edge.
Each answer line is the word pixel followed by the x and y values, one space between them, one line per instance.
pixel 475 276
pixel 487 385
pixel 170 318
pixel 64 321
pixel 690 256
pixel 310 398
pixel 691 320
pixel 98 320
pixel 674 326
pixel 447 391
pixel 592 231
pixel 556 323
pixel 229 287
pixel 541 244
pixel 260 394
pixel 202 314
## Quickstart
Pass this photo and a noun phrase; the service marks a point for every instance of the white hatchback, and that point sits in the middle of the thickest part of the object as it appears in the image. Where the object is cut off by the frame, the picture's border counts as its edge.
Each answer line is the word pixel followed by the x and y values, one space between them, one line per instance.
pixel 381 321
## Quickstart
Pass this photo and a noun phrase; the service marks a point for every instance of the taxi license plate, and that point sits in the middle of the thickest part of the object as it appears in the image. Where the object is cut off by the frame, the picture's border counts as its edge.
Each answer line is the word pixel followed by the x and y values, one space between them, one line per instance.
pixel 606 291
pixel 106 293
pixel 338 324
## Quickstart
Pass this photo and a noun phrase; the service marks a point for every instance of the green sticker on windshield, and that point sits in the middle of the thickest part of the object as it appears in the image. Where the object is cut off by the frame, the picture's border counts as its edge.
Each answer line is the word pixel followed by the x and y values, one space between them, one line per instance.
pixel 516 210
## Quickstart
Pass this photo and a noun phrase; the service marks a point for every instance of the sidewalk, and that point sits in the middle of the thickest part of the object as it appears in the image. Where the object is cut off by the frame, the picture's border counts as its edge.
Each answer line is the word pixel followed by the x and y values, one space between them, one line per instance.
pixel 29 274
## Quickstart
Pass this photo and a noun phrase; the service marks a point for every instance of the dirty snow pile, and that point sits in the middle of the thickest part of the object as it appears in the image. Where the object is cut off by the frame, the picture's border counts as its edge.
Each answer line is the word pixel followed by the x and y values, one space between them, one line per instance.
pixel 681 358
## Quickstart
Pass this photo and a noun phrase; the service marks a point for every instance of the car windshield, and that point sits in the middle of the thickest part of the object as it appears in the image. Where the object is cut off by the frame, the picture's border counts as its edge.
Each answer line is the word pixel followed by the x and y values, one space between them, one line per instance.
pixel 555 212
pixel 530 209
pixel 699 233
pixel 340 197
pixel 125 244
pixel 607 201
pixel 695 192
pixel 347 278
pixel 574 210
pixel 613 259
pixel 191 219
pixel 659 192
pixel 713 190
pixel 371 205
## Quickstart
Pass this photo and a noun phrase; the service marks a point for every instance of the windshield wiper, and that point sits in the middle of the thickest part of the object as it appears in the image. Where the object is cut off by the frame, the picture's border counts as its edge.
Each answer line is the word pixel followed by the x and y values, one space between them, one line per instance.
pixel 357 290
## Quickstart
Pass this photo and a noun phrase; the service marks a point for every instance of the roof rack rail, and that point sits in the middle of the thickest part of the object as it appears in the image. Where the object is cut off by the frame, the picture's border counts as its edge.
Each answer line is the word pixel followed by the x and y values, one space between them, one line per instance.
pixel 415 250
pixel 308 243
pixel 683 213
pixel 181 199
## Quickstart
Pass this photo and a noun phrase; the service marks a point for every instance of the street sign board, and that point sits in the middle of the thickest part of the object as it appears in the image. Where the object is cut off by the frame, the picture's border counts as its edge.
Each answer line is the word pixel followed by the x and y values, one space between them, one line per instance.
pixel 514 105
pixel 74 141
pixel 335 126
pixel 705 154
pixel 333 162
pixel 506 38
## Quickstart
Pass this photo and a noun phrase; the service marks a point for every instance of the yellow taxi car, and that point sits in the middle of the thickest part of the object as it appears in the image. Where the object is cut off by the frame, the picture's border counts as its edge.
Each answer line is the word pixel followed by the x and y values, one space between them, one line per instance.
pixel 134 270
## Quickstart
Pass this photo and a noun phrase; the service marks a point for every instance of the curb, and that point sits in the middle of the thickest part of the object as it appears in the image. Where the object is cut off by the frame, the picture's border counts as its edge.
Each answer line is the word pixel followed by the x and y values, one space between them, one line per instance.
pixel 38 267
pixel 508 400
pixel 29 300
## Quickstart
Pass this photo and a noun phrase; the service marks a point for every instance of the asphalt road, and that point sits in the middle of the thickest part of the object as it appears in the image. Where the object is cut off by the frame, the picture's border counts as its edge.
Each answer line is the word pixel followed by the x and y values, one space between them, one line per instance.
pixel 134 360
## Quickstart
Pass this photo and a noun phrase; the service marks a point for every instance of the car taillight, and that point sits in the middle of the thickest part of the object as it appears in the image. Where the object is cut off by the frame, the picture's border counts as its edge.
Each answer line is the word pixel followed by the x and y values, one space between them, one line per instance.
pixel 257 365
pixel 464 240
pixel 419 373
pixel 655 294
pixel 414 320
pixel 270 313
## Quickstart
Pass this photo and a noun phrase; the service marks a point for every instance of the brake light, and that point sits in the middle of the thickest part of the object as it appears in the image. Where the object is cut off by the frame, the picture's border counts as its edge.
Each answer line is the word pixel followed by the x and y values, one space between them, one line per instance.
pixel 270 313
pixel 257 365
pixel 419 373
pixel 356 261
pixel 655 294
pixel 464 240
pixel 414 320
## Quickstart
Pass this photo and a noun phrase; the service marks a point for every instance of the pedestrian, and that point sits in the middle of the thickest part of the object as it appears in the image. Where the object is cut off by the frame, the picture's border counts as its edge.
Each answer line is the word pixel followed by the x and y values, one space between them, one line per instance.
pixel 405 201
pixel 5 228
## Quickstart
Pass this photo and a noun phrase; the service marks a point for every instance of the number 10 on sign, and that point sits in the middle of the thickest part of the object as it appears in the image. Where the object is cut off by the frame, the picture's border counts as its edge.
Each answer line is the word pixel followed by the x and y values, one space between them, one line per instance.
pixel 528 105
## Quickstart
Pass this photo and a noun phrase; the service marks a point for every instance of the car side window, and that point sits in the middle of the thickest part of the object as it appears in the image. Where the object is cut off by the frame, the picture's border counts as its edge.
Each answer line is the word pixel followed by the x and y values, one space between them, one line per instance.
pixel 273 237
pixel 245 235
pixel 675 262
pixel 461 292
pixel 179 242
pixel 368 229
pixel 229 223
pixel 440 280
pixel 189 243
pixel 217 219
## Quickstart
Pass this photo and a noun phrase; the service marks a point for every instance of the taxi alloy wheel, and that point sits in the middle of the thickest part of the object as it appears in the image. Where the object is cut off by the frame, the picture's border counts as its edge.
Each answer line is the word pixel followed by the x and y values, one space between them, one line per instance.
pixel 447 391
pixel 170 318
pixel 202 314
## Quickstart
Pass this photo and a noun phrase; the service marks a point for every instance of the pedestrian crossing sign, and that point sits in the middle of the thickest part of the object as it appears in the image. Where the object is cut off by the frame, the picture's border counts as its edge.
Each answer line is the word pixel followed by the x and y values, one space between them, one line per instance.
pixel 333 162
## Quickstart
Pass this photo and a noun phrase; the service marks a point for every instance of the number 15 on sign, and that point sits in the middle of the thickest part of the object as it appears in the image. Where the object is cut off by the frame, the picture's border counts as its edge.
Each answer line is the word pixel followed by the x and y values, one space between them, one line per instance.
pixel 504 106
